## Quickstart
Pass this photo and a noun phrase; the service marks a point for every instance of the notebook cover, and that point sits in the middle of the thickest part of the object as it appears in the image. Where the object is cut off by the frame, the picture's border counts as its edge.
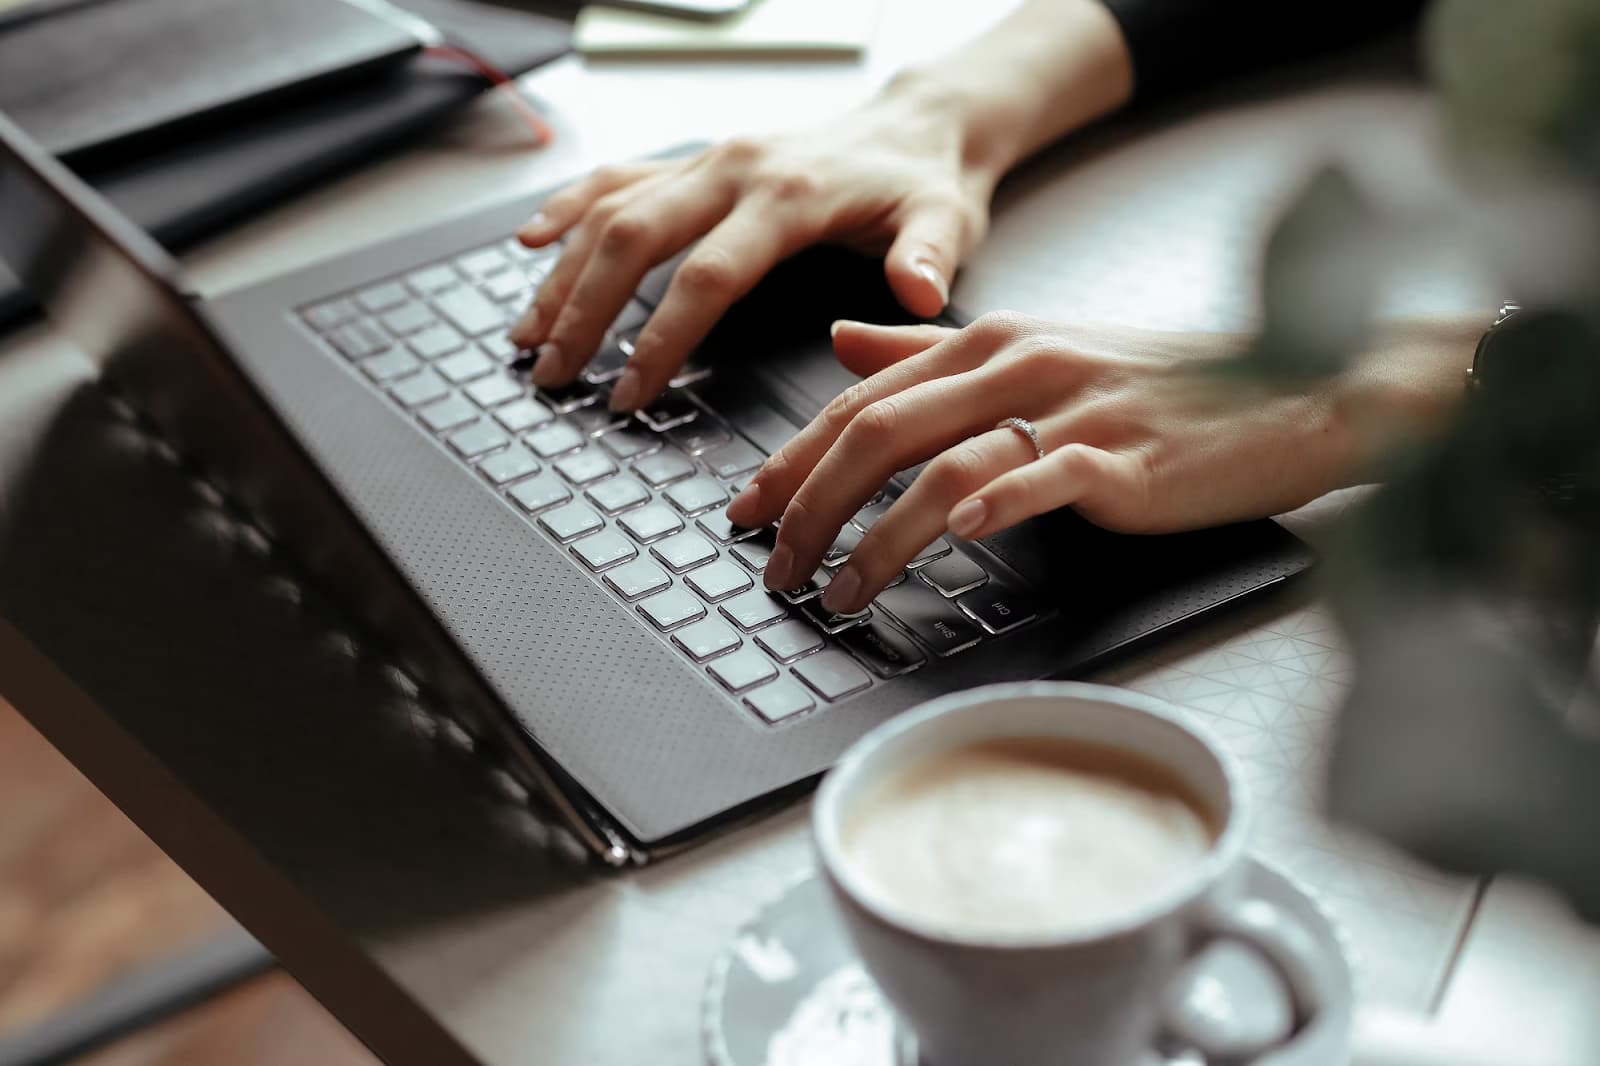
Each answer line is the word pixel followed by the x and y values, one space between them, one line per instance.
pixel 98 79
pixel 190 191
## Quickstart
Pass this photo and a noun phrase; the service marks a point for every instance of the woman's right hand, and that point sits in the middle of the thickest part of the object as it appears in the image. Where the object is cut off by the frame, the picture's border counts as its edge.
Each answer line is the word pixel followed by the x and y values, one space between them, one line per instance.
pixel 901 176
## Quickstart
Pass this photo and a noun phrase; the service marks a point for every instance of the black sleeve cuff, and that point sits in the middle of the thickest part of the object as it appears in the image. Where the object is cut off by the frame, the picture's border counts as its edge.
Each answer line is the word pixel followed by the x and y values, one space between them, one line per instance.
pixel 1180 44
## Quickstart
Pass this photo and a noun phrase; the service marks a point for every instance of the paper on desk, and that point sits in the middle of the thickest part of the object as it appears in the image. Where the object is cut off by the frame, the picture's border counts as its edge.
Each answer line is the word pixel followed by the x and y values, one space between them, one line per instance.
pixel 766 28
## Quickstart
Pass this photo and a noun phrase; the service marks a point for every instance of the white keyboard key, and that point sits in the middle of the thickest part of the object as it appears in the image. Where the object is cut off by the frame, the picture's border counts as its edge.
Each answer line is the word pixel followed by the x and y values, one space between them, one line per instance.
pixel 650 523
pixel 779 700
pixel 719 580
pixel 831 674
pixel 523 415
pixel 604 550
pixel 506 466
pixel 706 639
pixel 663 468
pixel 637 579
pixel 742 669
pixel 695 495
pixel 788 641
pixel 481 437
pixel 617 495
pixel 684 551
pixel 672 608
pixel 570 522
pixel 752 610
pixel 540 492
pixel 585 467
pixel 448 414
pixel 553 440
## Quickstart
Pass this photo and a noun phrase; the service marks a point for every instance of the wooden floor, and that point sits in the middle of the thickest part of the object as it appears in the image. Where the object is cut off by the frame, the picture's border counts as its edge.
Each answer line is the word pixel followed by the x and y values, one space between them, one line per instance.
pixel 84 895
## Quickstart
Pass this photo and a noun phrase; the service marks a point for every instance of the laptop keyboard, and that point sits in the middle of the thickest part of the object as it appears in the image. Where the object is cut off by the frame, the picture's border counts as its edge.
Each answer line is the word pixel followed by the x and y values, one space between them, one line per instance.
pixel 637 501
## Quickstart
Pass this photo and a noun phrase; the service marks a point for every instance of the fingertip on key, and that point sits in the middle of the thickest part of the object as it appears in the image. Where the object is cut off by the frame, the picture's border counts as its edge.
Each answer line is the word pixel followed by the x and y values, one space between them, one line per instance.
pixel 841 594
pixel 525 334
pixel 780 566
pixel 547 367
pixel 745 506
pixel 533 232
pixel 626 393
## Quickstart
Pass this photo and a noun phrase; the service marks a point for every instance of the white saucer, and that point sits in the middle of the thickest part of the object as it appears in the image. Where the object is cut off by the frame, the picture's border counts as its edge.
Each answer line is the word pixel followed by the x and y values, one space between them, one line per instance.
pixel 789 992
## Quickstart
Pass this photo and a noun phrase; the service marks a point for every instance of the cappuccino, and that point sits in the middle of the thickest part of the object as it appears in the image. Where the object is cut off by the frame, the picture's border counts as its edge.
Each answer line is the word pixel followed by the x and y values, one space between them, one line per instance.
pixel 1025 837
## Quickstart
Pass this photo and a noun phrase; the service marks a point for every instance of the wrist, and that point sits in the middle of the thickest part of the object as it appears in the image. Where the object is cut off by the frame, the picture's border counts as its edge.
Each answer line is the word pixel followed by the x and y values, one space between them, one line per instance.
pixel 961 109
pixel 1406 388
pixel 1050 68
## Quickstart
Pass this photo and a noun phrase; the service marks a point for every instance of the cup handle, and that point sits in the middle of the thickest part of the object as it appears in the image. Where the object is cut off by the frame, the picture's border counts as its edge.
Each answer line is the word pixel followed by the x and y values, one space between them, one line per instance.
pixel 1279 939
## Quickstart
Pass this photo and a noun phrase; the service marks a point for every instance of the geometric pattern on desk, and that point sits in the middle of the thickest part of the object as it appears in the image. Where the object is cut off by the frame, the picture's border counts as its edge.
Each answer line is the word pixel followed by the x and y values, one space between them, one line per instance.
pixel 1272 694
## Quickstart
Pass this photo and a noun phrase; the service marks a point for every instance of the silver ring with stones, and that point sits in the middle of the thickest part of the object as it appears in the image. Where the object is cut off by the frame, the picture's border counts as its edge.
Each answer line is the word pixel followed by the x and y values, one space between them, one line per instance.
pixel 1023 426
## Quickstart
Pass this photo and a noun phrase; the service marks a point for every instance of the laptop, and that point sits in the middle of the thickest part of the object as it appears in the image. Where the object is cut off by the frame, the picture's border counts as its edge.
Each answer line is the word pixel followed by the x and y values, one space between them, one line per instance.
pixel 561 580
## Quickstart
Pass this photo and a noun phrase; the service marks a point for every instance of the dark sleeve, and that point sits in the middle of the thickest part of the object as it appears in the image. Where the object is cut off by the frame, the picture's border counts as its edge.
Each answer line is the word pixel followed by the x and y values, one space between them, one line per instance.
pixel 1180 44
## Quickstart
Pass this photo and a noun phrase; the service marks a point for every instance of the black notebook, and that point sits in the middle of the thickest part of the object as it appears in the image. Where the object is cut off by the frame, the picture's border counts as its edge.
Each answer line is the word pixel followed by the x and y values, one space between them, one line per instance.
pixel 103 78
pixel 184 191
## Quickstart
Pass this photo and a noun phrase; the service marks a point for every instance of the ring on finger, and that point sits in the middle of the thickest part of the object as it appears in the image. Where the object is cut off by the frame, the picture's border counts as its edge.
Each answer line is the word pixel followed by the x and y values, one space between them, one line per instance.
pixel 1027 429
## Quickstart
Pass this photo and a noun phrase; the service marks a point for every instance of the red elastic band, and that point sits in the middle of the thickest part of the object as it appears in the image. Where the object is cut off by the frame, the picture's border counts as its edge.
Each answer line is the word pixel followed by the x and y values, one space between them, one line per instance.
pixel 501 81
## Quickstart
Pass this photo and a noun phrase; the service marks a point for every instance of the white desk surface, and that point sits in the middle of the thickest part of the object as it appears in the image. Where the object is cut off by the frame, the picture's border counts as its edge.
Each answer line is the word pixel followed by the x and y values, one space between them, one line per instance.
pixel 1158 229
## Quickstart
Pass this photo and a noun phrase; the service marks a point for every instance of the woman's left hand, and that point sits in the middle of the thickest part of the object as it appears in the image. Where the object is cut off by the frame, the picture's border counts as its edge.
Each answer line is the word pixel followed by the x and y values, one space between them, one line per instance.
pixel 1134 440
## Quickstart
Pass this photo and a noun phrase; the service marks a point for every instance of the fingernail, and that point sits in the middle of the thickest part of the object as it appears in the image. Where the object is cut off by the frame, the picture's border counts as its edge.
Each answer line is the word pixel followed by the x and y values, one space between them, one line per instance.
pixel 532 228
pixel 833 330
pixel 625 393
pixel 968 517
pixel 780 566
pixel 746 502
pixel 935 278
pixel 840 595
pixel 526 331
pixel 547 368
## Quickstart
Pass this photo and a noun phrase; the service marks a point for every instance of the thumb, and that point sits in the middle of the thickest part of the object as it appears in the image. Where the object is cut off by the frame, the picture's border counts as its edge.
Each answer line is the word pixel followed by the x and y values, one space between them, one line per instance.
pixel 923 259
pixel 865 349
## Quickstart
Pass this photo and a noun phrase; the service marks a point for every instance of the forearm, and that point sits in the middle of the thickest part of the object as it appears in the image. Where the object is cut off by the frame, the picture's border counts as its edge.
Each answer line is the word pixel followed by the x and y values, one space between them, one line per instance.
pixel 1047 69
pixel 1053 66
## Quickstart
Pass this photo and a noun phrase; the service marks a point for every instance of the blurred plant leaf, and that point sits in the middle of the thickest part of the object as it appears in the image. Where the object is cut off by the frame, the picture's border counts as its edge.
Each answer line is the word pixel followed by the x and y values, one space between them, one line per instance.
pixel 1507 500
pixel 1319 285
pixel 1447 748
pixel 1519 82
pixel 1469 587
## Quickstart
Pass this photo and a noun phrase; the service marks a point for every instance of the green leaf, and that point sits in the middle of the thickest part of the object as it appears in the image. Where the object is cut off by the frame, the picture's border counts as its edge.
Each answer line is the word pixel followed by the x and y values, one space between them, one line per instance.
pixel 1319 285
pixel 1449 746
pixel 1520 82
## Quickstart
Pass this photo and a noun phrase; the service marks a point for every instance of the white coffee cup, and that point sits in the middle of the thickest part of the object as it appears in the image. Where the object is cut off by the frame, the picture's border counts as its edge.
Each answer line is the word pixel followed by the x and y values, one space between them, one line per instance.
pixel 1090 997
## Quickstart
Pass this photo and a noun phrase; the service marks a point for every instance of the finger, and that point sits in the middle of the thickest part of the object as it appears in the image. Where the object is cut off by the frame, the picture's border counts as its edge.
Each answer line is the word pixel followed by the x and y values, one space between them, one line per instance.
pixel 922 261
pixel 1072 475
pixel 563 209
pixel 918 516
pixel 647 230
pixel 865 349
pixel 775 484
pixel 887 436
pixel 726 264
pixel 534 326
